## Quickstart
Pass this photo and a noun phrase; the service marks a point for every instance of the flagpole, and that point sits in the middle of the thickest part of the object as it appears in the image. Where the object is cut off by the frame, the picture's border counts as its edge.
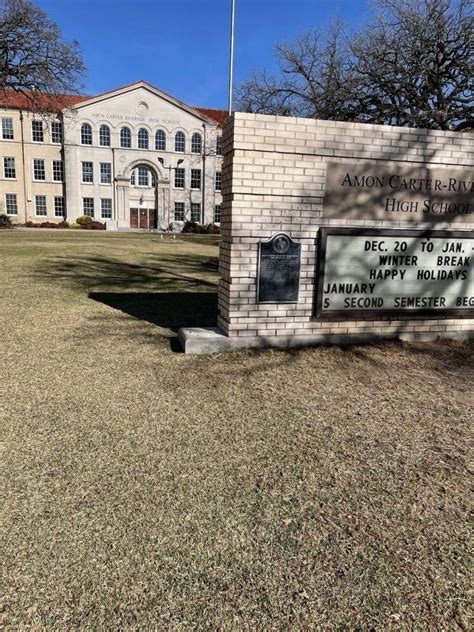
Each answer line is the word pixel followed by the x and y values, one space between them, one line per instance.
pixel 231 55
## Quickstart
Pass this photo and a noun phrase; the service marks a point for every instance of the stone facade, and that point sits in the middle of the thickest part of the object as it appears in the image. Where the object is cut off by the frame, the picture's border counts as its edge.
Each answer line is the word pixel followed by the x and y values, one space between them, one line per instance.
pixel 274 180
pixel 139 178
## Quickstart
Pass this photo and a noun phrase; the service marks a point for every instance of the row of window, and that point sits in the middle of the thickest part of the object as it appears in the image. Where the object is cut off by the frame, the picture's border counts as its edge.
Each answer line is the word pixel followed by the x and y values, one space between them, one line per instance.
pixel 105 172
pixel 195 212
pixel 37 131
pixel 39 169
pixel 41 207
pixel 105 207
pixel 143 139
pixel 141 176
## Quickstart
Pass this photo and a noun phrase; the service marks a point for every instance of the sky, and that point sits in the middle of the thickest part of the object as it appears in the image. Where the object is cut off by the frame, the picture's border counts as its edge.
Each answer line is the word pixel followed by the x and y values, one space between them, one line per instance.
pixel 182 46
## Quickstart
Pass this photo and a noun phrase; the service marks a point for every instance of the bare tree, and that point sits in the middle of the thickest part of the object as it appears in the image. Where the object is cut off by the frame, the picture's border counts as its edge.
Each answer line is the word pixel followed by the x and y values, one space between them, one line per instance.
pixel 314 80
pixel 34 58
pixel 411 65
pixel 414 65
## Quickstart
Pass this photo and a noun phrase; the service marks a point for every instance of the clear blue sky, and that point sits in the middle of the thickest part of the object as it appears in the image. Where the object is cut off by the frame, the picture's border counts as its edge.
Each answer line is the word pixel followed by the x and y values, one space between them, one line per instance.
pixel 181 46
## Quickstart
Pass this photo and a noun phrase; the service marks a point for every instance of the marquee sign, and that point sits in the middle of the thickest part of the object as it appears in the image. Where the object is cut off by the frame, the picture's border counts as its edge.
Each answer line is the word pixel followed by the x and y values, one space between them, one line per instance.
pixel 364 272
pixel 379 191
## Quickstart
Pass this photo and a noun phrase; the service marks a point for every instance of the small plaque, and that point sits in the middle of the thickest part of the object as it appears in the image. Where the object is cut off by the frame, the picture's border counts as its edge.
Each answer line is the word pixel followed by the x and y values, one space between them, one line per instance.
pixel 278 270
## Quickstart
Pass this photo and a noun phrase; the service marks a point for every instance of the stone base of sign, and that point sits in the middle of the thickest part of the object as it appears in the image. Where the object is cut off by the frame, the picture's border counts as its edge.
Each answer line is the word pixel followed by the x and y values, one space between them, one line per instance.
pixel 206 340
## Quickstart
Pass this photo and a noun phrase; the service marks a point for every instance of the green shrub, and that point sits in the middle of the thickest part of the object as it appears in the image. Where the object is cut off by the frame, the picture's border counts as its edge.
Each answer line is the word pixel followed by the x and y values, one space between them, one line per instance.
pixel 5 221
pixel 74 225
pixel 84 220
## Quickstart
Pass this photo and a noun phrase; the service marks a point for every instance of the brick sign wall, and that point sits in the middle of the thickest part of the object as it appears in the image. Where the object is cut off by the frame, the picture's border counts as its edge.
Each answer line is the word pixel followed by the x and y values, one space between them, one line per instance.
pixel 361 184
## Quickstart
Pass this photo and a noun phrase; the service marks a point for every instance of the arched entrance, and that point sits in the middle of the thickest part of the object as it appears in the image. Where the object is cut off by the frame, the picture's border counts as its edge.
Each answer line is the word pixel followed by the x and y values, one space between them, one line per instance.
pixel 143 196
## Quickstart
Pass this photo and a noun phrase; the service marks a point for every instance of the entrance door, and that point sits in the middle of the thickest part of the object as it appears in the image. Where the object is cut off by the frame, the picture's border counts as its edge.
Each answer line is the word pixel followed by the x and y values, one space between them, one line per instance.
pixel 142 218
pixel 133 218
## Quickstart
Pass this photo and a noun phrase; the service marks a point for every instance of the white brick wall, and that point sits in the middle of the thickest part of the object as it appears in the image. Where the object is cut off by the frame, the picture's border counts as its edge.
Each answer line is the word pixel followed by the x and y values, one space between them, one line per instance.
pixel 274 180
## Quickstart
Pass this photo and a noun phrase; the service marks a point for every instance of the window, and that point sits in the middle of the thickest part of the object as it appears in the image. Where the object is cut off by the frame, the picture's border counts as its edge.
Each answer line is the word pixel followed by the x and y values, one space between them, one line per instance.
pixel 38 170
pixel 196 143
pixel 179 211
pixel 179 178
pixel 125 137
pixel 58 171
pixel 104 136
pixel 133 178
pixel 37 131
pixel 59 207
pixel 56 132
pixel 196 212
pixel 217 214
pixel 9 169
pixel 88 206
pixel 160 140
pixel 179 142
pixel 106 208
pixel 142 138
pixel 219 145
pixel 87 172
pixel 143 177
pixel 195 178
pixel 105 173
pixel 40 205
pixel 86 134
pixel 218 181
pixel 7 132
pixel 11 204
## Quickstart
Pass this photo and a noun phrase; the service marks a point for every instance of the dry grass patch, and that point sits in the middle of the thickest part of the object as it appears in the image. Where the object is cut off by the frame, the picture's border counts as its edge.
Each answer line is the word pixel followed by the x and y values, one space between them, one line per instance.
pixel 314 489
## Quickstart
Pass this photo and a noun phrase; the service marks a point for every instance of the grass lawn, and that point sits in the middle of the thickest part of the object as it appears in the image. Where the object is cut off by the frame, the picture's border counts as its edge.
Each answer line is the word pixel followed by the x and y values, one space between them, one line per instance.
pixel 323 488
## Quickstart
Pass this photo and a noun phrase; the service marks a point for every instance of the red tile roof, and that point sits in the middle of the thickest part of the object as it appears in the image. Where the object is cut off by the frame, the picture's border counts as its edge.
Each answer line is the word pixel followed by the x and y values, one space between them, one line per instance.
pixel 23 101
pixel 219 116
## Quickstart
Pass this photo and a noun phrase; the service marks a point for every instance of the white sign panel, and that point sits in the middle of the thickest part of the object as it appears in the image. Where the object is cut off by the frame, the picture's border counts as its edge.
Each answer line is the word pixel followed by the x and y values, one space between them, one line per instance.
pixel 420 272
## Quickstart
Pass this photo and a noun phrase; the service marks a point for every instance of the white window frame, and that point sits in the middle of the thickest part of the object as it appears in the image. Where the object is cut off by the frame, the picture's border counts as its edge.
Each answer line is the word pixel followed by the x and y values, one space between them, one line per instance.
pixel 181 209
pixel 55 126
pixel 196 174
pixel 104 136
pixel 84 171
pixel 62 205
pixel 196 143
pixel 218 181
pixel 180 171
pixel 129 137
pixel 11 168
pixel 107 172
pixel 55 163
pixel 86 211
pixel 217 213
pixel 13 197
pixel 39 132
pixel 219 145
pixel 141 170
pixel 88 127
pixel 143 134
pixel 196 206
pixel 39 160
pixel 182 136
pixel 108 200
pixel 9 126
pixel 160 137
pixel 37 199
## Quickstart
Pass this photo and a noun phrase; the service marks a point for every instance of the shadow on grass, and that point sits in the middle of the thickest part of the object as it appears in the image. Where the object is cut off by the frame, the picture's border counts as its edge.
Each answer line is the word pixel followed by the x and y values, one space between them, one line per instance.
pixel 165 272
pixel 171 310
